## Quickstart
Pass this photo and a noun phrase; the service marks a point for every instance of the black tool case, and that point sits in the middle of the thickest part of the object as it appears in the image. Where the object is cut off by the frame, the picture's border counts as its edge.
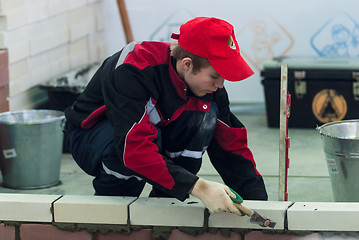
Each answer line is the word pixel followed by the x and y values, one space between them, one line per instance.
pixel 322 90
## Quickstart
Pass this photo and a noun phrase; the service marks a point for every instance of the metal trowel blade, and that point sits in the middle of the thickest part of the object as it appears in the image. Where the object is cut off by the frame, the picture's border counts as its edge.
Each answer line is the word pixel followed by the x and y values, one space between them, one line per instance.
pixel 263 222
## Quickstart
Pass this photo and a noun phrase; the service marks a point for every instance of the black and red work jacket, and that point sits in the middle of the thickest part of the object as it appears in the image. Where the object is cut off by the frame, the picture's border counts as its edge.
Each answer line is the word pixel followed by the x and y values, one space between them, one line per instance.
pixel 137 89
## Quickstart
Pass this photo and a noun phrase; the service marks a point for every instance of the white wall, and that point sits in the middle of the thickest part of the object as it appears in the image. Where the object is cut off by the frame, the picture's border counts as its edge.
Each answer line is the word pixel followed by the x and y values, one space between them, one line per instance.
pixel 263 28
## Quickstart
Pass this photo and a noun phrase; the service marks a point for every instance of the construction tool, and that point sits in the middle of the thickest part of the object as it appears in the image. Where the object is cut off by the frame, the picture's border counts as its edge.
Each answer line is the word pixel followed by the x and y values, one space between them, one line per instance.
pixel 284 141
pixel 254 216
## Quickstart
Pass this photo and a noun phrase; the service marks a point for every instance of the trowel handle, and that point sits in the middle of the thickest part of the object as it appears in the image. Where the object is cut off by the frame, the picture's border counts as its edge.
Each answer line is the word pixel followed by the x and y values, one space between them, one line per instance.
pixel 244 210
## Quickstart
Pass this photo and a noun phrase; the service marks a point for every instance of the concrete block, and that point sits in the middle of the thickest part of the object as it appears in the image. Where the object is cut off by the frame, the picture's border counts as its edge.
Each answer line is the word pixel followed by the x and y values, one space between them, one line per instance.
pixel 19 85
pixel 10 5
pixel 274 210
pixel 26 207
pixel 56 7
pixel 323 216
pixel 78 15
pixel 79 59
pixel 79 30
pixel 37 11
pixel 167 212
pixel 48 41
pixel 92 209
pixel 13 19
pixel 13 36
pixel 18 69
pixel 76 4
pixel 78 46
pixel 18 51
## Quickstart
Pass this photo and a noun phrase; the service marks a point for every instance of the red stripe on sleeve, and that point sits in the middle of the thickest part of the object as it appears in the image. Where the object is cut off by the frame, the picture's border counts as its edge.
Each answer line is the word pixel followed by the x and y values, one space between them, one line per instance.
pixel 233 140
pixel 141 154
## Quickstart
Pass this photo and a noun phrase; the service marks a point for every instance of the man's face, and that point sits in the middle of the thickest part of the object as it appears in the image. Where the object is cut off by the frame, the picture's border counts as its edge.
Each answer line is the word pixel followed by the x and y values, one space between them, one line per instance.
pixel 204 81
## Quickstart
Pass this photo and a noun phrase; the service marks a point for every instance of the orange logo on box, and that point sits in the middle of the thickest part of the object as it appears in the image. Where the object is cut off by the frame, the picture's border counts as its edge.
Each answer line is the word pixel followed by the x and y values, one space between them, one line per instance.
pixel 328 105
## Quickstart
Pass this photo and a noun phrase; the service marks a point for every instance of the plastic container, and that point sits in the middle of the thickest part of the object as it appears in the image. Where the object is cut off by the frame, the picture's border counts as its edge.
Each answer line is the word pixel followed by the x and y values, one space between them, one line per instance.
pixel 341 146
pixel 31 148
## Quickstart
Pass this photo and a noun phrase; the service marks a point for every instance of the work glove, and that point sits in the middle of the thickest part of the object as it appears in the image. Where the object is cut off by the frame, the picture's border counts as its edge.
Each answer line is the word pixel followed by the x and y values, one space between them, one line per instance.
pixel 216 197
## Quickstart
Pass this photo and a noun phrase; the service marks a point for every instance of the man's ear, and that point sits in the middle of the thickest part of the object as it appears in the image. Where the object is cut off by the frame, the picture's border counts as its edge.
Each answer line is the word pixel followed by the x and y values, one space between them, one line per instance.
pixel 186 64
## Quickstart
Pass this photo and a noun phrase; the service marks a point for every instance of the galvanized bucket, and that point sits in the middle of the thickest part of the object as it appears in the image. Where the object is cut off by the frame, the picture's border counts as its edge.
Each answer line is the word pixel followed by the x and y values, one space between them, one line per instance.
pixel 341 146
pixel 31 148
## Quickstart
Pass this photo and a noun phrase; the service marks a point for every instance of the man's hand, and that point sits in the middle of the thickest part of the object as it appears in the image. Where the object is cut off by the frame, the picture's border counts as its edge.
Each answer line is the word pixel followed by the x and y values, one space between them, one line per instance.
pixel 215 196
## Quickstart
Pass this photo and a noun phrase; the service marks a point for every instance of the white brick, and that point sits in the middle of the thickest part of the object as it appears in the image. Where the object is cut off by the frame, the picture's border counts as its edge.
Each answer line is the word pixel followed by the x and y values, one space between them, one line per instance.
pixel 19 85
pixel 92 209
pixel 59 67
pixel 48 41
pixel 49 25
pixel 18 51
pixel 323 216
pixel 78 46
pixel 167 212
pixel 55 7
pixel 76 4
pixel 10 5
pixel 273 210
pixel 36 12
pixel 18 69
pixel 13 36
pixel 79 30
pixel 26 207
pixel 77 15
pixel 13 19
pixel 79 59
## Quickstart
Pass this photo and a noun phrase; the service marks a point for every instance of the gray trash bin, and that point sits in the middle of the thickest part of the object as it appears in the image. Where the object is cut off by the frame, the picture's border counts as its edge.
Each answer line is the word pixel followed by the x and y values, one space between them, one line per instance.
pixel 341 146
pixel 31 148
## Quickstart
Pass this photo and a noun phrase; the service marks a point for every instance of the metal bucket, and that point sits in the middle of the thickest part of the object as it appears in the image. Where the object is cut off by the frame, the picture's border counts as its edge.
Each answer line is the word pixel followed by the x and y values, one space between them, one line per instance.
pixel 31 148
pixel 341 146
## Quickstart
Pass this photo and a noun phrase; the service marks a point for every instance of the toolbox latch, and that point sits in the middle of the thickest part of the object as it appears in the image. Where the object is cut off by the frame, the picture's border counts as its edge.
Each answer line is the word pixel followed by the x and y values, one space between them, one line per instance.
pixel 300 86
pixel 356 85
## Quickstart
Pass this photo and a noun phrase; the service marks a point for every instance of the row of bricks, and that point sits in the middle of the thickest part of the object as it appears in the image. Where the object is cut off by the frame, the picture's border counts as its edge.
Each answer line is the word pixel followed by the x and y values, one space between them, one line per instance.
pixel 65 28
pixel 74 209
pixel 33 11
pixel 46 231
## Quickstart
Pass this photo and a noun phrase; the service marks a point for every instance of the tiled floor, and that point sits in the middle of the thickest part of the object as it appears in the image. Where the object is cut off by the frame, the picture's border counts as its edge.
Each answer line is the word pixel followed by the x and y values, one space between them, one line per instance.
pixel 308 174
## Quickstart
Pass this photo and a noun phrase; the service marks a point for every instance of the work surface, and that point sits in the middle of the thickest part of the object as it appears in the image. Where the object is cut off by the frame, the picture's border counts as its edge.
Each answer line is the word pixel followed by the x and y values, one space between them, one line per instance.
pixel 308 174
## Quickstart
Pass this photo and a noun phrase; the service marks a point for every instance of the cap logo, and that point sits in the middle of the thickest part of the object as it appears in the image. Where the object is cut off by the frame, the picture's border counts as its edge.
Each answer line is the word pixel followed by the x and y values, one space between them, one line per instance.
pixel 230 43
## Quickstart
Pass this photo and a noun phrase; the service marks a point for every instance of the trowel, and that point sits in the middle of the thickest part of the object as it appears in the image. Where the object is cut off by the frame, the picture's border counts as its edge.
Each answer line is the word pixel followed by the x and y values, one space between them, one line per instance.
pixel 255 217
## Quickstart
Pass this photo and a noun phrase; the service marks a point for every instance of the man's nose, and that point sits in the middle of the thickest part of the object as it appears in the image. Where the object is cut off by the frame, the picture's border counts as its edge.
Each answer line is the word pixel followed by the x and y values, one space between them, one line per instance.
pixel 219 83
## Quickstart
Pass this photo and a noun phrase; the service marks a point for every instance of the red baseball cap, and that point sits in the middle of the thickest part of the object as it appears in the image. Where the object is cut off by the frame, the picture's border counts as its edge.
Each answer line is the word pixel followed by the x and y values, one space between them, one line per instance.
pixel 214 39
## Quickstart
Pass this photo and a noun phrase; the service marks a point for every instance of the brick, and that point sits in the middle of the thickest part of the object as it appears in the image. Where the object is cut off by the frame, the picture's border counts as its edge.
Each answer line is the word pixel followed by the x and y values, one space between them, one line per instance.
pixel 7 232
pixel 26 207
pixel 10 5
pixel 255 235
pixel 13 19
pixel 323 216
pixel 18 51
pixel 47 231
pixel 274 210
pixel 79 30
pixel 144 234
pixel 4 59
pixel 77 15
pixel 48 40
pixel 4 107
pixel 92 209
pixel 178 235
pixel 161 212
pixel 18 69
pixel 4 92
pixel 4 76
